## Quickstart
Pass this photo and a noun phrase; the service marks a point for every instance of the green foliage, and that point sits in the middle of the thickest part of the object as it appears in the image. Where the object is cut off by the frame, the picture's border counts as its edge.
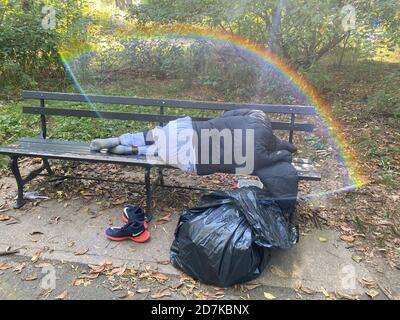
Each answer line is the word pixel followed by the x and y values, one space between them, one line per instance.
pixel 161 58
pixel 220 67
pixel 321 80
pixel 13 126
pixel 27 49
pixel 385 101
pixel 302 31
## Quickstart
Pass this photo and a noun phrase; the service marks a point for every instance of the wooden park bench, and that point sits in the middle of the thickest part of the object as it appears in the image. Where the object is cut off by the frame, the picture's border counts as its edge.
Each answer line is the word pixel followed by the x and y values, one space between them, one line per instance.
pixel 41 147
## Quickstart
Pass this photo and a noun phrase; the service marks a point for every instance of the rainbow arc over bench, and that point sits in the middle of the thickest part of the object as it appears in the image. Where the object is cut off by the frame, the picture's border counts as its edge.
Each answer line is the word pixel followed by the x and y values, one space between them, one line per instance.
pixel 333 127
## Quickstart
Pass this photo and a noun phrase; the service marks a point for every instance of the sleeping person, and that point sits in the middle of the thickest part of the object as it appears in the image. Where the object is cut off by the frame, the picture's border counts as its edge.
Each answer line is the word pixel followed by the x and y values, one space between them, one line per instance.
pixel 240 141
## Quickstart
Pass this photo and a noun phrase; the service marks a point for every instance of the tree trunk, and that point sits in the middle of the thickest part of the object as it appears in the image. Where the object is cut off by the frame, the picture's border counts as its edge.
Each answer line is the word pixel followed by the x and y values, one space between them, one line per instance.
pixel 275 28
pixel 343 50
pixel 26 5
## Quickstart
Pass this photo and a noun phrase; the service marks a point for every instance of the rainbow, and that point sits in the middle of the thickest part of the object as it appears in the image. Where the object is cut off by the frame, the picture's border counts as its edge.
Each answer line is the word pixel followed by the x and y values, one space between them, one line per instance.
pixel 335 129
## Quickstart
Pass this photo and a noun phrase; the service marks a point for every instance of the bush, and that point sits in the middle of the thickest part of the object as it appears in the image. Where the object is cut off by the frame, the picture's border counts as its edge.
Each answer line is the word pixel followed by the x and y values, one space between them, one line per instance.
pixel 222 68
pixel 321 80
pixel 28 51
pixel 386 100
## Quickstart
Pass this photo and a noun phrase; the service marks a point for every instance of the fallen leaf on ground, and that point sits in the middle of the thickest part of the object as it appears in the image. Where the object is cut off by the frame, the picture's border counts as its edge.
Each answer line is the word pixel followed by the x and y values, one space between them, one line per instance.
pixel 324 292
pixel 372 293
pixel 36 257
pixel 4 266
pixel 306 290
pixel 4 217
pixel 161 294
pixel 341 295
pixel 119 202
pixel 162 221
pixel 35 233
pixel 119 271
pixel 96 269
pixel 249 287
pixel 45 294
pixel 322 239
pixel 31 277
pixel 368 283
pixel 142 291
pixel 62 296
pixel 199 294
pixel 43 265
pixel 345 228
pixel 278 272
pixel 160 276
pixel 164 263
pixel 356 258
pixel 218 295
pixel 176 286
pixel 128 295
pixel 89 277
pixel 347 238
pixel 79 281
pixel 269 296
pixel 81 252
pixel 18 268
pixel 71 244
pixel 117 288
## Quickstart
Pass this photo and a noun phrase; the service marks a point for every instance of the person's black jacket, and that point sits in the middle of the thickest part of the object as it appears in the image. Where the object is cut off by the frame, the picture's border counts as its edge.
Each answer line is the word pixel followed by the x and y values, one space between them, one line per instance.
pixel 268 149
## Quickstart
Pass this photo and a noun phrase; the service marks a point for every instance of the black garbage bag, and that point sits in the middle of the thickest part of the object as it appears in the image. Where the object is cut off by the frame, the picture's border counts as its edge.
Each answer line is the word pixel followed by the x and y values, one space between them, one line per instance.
pixel 227 238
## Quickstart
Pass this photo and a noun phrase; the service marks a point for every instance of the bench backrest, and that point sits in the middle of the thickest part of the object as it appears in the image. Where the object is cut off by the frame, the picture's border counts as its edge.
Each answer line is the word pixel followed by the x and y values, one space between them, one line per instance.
pixel 161 118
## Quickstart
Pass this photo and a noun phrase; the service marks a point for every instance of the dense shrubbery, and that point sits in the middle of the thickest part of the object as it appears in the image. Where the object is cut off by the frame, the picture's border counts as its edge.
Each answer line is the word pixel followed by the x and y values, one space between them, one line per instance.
pixel 222 68
pixel 386 100
pixel 27 50
pixel 25 47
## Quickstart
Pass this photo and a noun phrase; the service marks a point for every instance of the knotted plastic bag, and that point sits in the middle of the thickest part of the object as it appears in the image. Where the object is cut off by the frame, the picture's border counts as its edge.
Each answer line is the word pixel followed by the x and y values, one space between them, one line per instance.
pixel 227 238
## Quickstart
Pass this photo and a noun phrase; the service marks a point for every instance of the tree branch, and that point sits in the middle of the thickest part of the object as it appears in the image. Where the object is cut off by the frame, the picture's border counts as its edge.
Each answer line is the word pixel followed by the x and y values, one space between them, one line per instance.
pixel 329 46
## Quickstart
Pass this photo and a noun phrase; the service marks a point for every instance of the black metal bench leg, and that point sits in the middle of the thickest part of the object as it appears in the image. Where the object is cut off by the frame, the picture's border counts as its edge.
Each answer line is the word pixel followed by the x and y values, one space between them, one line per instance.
pixel 148 194
pixel 46 165
pixel 20 183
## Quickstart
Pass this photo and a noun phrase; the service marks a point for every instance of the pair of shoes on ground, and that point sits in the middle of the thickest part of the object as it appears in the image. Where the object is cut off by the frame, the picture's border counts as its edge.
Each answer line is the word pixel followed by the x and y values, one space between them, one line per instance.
pixel 135 227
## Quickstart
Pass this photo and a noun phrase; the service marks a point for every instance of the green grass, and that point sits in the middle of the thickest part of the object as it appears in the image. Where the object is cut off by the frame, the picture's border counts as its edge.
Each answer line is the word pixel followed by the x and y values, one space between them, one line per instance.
pixel 13 125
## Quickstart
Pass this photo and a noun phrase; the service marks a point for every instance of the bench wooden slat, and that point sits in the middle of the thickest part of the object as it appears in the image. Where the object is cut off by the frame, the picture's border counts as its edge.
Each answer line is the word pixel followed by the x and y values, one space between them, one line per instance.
pixel 125 116
pixel 55 145
pixel 189 104
pixel 79 151
pixel 81 144
pixel 76 152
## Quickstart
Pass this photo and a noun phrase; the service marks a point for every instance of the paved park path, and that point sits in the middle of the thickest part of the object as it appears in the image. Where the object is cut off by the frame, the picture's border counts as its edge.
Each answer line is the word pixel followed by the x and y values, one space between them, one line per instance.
pixel 69 237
